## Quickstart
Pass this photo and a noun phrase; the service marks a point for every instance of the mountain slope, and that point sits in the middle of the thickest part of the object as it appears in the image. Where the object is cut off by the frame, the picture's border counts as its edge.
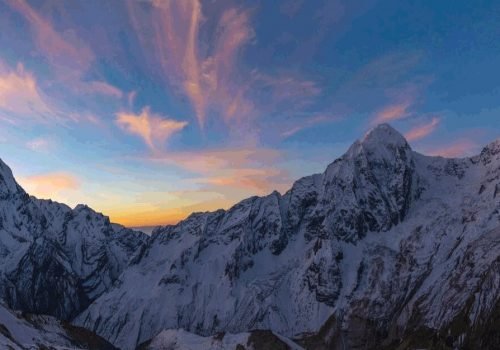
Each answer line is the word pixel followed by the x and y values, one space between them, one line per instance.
pixel 20 331
pixel 181 340
pixel 386 242
pixel 53 259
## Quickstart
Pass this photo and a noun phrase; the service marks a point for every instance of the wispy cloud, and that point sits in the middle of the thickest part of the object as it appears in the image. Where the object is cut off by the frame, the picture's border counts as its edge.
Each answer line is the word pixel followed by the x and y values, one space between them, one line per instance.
pixel 67 55
pixel 41 144
pixel 206 65
pixel 152 128
pixel 307 123
pixel 422 131
pixel 461 148
pixel 207 79
pixel 253 169
pixel 20 97
pixel 101 87
pixel 392 112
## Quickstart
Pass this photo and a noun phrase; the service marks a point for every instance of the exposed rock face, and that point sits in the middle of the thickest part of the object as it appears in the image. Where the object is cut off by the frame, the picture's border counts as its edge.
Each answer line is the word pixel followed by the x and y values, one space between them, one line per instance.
pixel 385 243
pixel 55 260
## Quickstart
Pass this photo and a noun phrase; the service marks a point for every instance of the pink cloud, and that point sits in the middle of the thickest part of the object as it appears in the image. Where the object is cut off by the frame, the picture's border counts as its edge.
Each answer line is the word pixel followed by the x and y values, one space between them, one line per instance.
pixel 244 169
pixel 67 55
pixel 392 112
pixel 152 128
pixel 101 87
pixel 461 148
pixel 422 131
pixel 20 97
pixel 205 65
pixel 308 123
pixel 169 31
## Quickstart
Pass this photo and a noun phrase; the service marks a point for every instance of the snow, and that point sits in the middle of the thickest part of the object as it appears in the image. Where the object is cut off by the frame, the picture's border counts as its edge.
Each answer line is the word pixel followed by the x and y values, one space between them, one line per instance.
pixel 180 339
pixel 19 333
pixel 221 271
pixel 384 233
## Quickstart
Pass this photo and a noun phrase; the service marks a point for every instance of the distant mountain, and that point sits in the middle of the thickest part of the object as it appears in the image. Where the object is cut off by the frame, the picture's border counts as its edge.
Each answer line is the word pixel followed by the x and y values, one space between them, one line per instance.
pixel 21 331
pixel 387 249
pixel 56 260
pixel 386 246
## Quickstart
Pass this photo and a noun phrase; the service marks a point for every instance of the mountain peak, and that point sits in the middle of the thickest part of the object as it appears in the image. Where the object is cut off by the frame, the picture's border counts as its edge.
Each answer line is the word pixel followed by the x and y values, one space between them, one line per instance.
pixel 8 184
pixel 383 141
pixel 384 134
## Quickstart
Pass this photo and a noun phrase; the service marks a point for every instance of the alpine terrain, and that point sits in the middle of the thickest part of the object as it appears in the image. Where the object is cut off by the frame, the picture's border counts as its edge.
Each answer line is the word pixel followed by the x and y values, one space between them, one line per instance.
pixel 386 249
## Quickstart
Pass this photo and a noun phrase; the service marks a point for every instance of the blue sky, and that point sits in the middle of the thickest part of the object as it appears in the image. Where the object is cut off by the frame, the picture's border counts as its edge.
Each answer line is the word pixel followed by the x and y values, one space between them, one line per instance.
pixel 149 110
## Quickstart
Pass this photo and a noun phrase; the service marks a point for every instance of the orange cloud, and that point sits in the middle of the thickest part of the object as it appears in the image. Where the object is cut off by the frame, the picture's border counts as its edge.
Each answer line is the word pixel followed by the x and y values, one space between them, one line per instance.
pixel 422 131
pixel 50 185
pixel 461 148
pixel 392 112
pixel 260 181
pixel 20 96
pixel 153 129
pixel 250 170
pixel 208 161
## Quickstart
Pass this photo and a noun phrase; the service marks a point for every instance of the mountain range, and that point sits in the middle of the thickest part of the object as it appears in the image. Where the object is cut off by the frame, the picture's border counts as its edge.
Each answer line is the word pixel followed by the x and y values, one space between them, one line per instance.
pixel 386 249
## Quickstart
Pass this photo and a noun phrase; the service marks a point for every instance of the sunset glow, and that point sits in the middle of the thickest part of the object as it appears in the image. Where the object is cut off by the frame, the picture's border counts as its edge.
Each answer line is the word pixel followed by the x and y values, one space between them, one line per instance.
pixel 150 110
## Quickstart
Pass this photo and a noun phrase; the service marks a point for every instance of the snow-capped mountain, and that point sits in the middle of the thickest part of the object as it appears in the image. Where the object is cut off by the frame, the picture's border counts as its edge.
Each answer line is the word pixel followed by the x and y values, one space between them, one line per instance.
pixel 386 248
pixel 56 260
pixel 21 331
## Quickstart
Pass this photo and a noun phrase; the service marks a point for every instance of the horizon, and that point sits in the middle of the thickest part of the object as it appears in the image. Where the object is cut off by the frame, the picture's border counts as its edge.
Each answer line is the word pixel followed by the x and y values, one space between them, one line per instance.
pixel 147 229
pixel 148 111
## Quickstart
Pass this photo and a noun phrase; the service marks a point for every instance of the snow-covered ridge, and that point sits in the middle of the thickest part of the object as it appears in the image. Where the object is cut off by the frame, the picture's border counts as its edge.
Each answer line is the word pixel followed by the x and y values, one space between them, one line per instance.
pixel 21 331
pixel 364 247
pixel 386 246
pixel 55 260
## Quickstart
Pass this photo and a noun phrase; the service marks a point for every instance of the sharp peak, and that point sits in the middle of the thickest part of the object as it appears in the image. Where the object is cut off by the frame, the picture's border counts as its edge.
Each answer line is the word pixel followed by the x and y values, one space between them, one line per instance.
pixel 8 183
pixel 382 140
pixel 384 133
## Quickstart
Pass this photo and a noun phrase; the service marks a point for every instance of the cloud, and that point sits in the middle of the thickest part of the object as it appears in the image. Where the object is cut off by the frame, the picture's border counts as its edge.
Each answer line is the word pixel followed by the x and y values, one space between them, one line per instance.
pixel 245 169
pixel 422 131
pixel 461 148
pixel 205 65
pixel 20 97
pixel 169 31
pixel 68 55
pixel 50 185
pixel 392 112
pixel 40 144
pixel 308 123
pixel 259 181
pixel 153 129
pixel 101 87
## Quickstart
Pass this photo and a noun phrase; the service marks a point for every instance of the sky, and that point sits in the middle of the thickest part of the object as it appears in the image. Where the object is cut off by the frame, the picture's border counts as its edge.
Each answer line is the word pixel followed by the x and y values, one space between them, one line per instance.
pixel 149 110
